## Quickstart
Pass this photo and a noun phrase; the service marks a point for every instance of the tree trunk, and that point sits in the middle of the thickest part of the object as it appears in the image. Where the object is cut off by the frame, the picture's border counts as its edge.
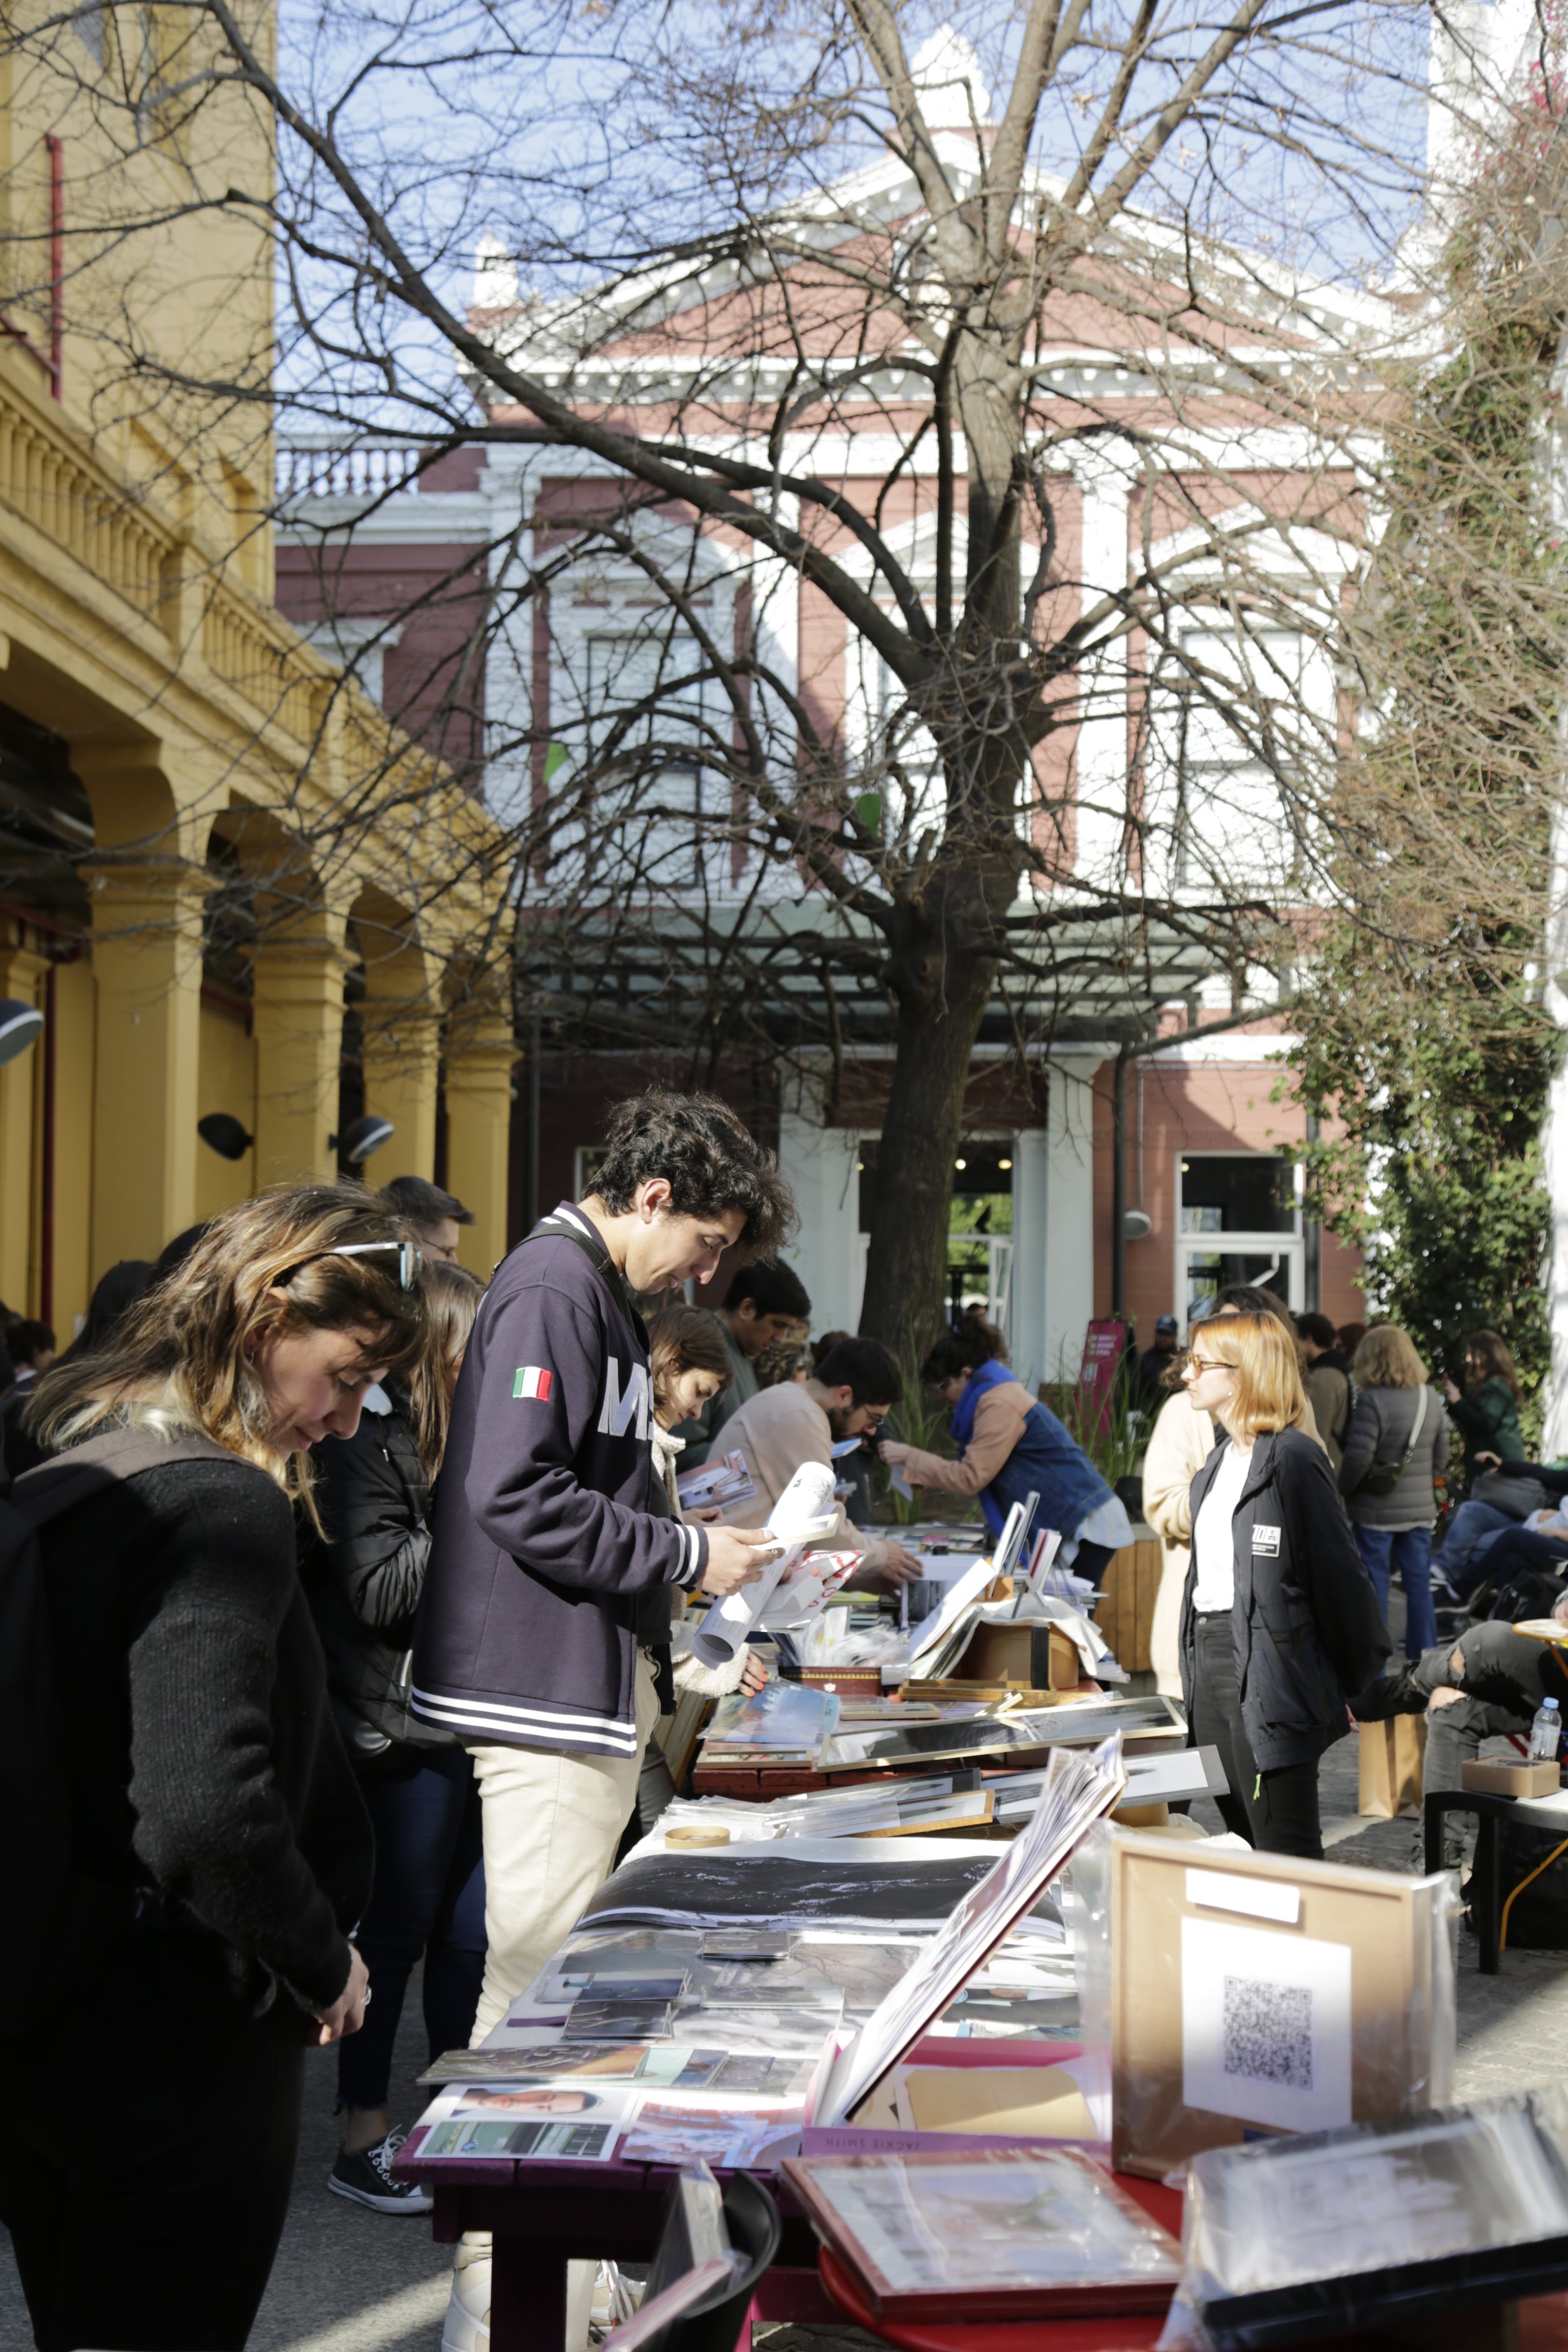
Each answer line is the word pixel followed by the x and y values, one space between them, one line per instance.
pixel 906 1264
pixel 942 988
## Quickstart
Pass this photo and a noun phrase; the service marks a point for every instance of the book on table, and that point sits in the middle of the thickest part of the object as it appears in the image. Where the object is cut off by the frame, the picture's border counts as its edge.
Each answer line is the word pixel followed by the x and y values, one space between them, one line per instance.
pixel 1006 2233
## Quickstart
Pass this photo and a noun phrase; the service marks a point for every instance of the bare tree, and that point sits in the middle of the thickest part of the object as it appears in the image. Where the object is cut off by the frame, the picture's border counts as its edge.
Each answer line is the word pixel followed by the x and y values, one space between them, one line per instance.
pixel 986 484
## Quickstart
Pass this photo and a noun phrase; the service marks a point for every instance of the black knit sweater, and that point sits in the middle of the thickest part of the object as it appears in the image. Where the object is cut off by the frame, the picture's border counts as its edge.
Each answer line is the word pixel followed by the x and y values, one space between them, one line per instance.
pixel 206 1765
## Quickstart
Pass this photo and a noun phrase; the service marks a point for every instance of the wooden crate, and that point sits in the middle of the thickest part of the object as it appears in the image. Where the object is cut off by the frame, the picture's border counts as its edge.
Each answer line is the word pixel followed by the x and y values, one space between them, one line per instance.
pixel 1126 1612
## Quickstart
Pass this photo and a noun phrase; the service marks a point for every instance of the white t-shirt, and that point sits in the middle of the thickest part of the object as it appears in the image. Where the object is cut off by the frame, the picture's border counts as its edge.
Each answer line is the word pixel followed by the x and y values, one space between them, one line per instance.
pixel 1213 1544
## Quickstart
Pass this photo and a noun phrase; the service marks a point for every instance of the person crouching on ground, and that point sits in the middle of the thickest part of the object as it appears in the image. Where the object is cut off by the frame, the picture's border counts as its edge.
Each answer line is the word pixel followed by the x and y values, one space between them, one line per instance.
pixel 364 1582
pixel 1280 1620
pixel 1486 1682
pixel 215 1810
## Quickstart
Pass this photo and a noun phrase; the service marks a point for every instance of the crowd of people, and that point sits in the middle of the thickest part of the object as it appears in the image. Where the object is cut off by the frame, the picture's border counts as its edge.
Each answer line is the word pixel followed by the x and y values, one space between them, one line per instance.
pixel 358 1587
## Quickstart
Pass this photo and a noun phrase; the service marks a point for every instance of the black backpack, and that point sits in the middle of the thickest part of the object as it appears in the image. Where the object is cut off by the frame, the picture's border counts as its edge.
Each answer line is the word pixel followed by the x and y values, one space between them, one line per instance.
pixel 55 1913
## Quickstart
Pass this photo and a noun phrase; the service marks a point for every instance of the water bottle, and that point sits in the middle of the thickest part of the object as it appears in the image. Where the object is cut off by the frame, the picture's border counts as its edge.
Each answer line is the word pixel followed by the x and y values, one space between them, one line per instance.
pixel 1545 1733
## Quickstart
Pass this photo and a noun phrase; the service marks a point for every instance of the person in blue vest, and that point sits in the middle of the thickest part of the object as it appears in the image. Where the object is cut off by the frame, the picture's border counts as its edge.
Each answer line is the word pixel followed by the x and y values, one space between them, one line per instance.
pixel 1011 1446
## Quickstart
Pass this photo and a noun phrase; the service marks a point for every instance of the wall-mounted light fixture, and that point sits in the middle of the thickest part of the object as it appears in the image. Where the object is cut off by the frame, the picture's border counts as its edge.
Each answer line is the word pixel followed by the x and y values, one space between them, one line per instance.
pixel 360 1139
pixel 21 1025
pixel 223 1133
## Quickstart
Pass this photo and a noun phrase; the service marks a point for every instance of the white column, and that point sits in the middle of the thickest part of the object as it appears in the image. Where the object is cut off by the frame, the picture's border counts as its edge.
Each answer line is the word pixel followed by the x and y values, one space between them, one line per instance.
pixel 1554 1274
pixel 1101 794
pixel 819 1163
pixel 1027 1346
pixel 1070 1213
pixel 510 716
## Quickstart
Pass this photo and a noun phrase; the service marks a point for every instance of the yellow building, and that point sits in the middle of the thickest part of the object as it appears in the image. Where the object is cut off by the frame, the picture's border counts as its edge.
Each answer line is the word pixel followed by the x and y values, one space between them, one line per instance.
pixel 197 851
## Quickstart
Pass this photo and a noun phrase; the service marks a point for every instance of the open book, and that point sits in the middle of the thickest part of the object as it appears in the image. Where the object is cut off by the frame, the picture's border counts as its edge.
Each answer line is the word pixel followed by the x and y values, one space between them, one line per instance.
pixel 1080 1785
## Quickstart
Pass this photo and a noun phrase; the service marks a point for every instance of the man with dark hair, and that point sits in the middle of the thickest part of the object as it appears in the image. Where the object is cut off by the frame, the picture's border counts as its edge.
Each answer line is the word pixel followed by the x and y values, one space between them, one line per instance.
pixel 1151 1389
pixel 548 1600
pixel 432 1215
pixel 763 1305
pixel 848 1396
pixel 1326 1377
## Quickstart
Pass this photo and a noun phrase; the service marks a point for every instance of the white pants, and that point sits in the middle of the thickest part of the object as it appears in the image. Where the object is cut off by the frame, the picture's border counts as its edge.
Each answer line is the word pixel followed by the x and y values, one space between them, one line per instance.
pixel 552 1825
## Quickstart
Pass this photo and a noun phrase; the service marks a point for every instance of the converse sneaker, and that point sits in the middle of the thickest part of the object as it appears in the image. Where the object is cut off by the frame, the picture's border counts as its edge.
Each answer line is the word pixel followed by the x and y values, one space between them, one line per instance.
pixel 365 2174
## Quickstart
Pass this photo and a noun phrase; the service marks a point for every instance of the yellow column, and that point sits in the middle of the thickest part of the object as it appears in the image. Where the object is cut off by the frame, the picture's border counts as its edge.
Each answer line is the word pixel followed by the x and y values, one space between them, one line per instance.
pixel 478 1133
pixel 402 1056
pixel 21 975
pixel 147 964
pixel 400 1074
pixel 74 1064
pixel 299 1031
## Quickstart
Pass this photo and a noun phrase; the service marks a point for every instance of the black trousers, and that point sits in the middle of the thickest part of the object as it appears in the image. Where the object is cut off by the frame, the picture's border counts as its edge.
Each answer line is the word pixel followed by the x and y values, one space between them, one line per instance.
pixel 146 2155
pixel 1275 1811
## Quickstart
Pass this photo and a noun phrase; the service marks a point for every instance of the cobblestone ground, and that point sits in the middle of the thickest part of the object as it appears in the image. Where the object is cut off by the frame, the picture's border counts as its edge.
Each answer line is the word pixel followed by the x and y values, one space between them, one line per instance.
pixel 349 2281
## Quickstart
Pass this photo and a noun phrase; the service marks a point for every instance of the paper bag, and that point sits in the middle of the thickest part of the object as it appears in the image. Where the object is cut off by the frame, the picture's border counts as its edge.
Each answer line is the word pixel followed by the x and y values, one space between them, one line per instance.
pixel 1391 1756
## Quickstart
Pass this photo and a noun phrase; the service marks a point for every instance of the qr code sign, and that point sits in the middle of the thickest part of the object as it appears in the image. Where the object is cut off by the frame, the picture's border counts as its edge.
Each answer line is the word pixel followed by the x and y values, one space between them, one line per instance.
pixel 1268 2033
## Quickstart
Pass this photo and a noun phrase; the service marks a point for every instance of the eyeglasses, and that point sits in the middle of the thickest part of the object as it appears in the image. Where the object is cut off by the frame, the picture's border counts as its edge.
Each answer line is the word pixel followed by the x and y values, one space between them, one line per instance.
pixel 1209 1364
pixel 410 1258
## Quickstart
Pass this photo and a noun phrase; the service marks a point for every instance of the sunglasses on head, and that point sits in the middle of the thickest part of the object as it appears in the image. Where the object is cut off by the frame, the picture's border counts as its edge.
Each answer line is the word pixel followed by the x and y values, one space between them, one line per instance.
pixel 410 1258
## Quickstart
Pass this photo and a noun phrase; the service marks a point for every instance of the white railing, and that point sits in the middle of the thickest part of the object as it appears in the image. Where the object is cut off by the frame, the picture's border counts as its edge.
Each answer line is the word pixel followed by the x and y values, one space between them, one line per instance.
pixel 370 469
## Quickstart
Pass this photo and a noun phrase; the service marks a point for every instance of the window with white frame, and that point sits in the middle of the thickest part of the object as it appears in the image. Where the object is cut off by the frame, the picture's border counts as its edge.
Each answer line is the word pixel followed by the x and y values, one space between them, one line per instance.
pixel 1238 717
pixel 646 704
pixel 899 754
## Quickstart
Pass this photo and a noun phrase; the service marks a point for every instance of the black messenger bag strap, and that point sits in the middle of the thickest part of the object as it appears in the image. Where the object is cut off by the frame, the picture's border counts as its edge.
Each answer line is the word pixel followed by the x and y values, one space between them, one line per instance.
pixel 108 1460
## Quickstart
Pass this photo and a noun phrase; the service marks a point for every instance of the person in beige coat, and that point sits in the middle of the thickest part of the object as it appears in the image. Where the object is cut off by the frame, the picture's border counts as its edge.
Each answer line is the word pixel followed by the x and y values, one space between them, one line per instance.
pixel 802 1421
pixel 1179 1445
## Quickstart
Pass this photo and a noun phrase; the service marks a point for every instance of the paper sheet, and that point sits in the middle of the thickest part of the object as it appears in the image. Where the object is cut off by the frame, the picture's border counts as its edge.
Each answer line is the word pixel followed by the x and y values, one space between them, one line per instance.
pixel 1266 2026
pixel 803 1514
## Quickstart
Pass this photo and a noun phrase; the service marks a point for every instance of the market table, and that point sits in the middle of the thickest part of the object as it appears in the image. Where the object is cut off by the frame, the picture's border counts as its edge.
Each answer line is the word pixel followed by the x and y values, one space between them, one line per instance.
pixel 542 2215
pixel 1486 1893
pixel 557 2213
pixel 1155 1726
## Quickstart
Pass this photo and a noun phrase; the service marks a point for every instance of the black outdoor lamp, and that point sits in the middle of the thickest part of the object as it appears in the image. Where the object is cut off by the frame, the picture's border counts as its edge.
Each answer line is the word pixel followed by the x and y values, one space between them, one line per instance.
pixel 222 1133
pixel 360 1139
pixel 20 1027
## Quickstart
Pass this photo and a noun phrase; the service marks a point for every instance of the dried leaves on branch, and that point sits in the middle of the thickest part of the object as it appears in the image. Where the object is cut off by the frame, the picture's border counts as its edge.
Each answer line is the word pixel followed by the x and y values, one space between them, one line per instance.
pixel 1429 1023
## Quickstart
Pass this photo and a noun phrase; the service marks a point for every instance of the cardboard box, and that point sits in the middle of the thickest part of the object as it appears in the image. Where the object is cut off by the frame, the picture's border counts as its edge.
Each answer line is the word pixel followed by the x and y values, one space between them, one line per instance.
pixel 1495 1776
pixel 1252 1993
pixel 1035 1654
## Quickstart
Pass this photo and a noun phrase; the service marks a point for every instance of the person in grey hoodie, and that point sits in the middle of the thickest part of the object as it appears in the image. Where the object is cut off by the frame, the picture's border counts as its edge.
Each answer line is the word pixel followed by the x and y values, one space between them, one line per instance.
pixel 1397 1443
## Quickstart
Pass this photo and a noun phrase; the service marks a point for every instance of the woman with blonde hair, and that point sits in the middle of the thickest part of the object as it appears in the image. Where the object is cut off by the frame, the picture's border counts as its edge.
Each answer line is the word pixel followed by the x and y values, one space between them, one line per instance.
pixel 365 1580
pixel 1280 1621
pixel 1396 1441
pixel 219 1847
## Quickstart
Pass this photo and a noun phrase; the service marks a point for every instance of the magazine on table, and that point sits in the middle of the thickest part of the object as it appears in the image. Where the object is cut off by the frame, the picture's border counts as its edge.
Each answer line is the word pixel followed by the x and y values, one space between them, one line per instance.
pixel 716 1486
pixel 655 2065
pixel 556 2123
pixel 736 2139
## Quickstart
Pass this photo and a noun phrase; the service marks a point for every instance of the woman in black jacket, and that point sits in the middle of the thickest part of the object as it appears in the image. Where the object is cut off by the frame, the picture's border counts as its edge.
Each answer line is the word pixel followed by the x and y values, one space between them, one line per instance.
pixel 365 1583
pixel 1280 1621
pixel 217 1834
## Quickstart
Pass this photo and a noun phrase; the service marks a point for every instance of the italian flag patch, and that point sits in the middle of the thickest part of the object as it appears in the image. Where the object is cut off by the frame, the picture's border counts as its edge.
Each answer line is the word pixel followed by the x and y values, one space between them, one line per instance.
pixel 533 1380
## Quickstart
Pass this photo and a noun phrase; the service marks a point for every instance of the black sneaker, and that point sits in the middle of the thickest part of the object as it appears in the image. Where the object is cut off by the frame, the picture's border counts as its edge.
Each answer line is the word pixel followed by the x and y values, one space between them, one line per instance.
pixel 365 2174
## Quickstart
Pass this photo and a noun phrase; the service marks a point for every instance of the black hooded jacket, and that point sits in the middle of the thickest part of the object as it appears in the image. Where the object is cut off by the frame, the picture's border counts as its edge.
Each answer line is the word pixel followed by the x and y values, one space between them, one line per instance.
pixel 365 1581
pixel 1308 1630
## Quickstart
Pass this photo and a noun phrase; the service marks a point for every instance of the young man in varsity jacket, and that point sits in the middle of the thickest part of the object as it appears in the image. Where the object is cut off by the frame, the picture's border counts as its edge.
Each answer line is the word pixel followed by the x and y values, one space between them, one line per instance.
pixel 550 1579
